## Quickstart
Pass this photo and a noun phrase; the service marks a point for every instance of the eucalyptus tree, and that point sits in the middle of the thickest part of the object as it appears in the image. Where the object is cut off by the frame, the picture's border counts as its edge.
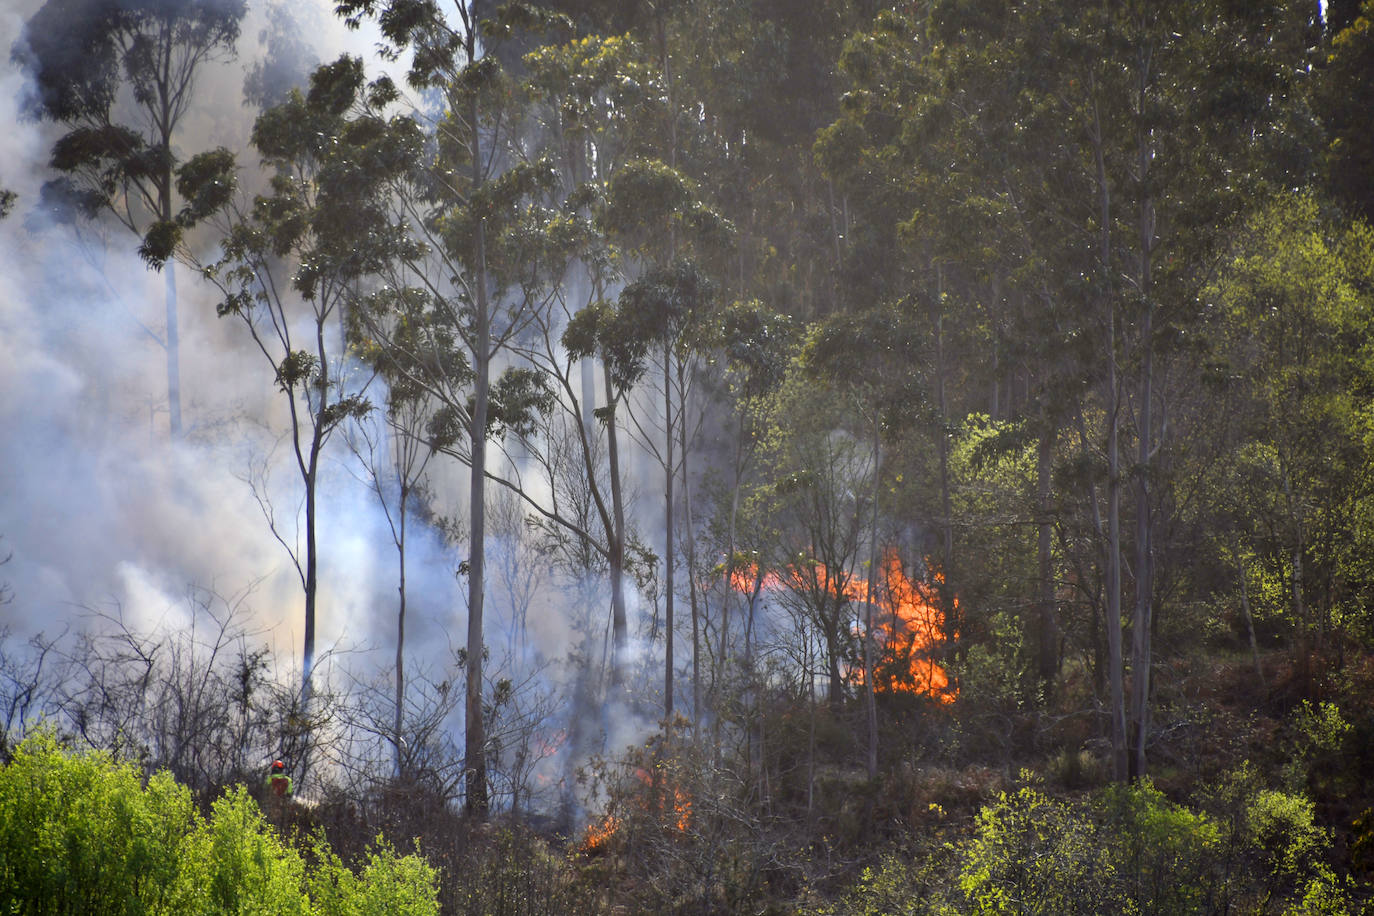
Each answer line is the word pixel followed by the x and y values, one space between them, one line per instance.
pixel 653 216
pixel 395 454
pixel 863 357
pixel 810 503
pixel 607 110
pixel 292 260
pixel 596 102
pixel 121 75
pixel 480 268
pixel 1294 304
pixel 1100 181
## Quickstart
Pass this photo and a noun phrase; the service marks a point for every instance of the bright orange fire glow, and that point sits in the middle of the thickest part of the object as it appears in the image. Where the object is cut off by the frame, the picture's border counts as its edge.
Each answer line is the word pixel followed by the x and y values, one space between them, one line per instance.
pixel 910 624
pixel 907 624
pixel 680 817
pixel 599 834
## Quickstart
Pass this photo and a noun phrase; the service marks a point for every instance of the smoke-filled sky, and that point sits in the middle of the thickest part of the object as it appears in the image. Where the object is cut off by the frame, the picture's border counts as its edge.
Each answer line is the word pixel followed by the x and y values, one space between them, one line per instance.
pixel 98 507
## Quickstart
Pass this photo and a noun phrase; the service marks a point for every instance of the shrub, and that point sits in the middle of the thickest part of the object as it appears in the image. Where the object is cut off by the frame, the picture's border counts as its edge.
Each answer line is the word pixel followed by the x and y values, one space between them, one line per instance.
pixel 81 833
pixel 1034 854
pixel 1166 856
pixel 1130 851
pixel 388 884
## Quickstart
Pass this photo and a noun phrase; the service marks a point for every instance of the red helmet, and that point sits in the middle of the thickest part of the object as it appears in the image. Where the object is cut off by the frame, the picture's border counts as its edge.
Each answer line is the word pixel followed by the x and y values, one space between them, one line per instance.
pixel 278 765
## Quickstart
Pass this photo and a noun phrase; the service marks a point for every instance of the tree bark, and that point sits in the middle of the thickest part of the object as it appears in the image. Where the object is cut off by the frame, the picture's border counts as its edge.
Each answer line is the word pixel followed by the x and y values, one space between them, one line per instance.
pixel 616 553
pixel 477 802
pixel 870 700
pixel 173 344
pixel 1111 605
pixel 1143 622
pixel 1047 624
pixel 399 721
pixel 669 472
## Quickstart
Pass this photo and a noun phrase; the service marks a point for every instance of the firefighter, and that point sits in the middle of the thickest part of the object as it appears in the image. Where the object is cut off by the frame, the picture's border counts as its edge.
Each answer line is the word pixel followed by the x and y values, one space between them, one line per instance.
pixel 278 783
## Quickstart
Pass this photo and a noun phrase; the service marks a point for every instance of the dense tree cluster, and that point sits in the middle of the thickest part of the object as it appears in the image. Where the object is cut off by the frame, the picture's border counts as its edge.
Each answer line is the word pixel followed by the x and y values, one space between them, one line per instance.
pixel 1004 373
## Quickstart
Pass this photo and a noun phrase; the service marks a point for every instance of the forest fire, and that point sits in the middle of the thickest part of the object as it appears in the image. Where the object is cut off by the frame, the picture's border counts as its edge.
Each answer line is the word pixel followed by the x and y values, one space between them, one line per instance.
pixel 600 834
pixel 649 797
pixel 908 623
pixel 909 626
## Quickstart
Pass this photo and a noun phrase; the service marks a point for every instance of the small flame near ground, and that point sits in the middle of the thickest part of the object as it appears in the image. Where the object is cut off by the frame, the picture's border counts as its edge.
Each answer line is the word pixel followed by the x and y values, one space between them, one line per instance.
pixel 598 835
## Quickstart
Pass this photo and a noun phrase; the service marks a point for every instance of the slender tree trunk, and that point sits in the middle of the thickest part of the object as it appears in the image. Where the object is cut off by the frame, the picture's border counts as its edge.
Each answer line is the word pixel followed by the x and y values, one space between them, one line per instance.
pixel 946 499
pixel 311 571
pixel 810 730
pixel 832 660
pixel 400 637
pixel 616 554
pixel 475 739
pixel 669 472
pixel 870 700
pixel 173 352
pixel 1143 623
pixel 1245 607
pixel 1111 605
pixel 1112 602
pixel 691 568
pixel 1047 624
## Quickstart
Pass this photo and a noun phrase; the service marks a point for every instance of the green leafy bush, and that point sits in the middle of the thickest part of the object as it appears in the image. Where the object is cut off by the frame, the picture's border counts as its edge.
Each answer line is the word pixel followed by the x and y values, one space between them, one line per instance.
pixel 1167 857
pixel 81 833
pixel 1034 854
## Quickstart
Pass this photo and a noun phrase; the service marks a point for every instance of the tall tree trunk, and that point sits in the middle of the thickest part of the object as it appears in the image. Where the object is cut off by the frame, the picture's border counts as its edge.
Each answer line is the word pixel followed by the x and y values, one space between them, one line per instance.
pixel 475 739
pixel 691 568
pixel 173 344
pixel 1143 623
pixel 870 700
pixel 1245 607
pixel 1111 605
pixel 311 579
pixel 398 722
pixel 1048 626
pixel 616 553
pixel 946 581
pixel 669 471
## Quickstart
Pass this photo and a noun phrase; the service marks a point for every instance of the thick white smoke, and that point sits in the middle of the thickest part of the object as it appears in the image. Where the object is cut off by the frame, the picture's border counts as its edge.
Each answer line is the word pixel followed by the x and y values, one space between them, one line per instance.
pixel 100 508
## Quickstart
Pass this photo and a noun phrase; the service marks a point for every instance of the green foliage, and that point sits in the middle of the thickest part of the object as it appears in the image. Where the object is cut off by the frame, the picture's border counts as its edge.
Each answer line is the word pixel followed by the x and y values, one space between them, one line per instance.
pixel 1165 855
pixel 1298 311
pixel 1126 849
pixel 84 56
pixel 1344 93
pixel 519 397
pixel 1130 851
pixel 82 833
pixel 1280 827
pixel 900 884
pixel 386 884
pixel 1033 854
pixel 1320 733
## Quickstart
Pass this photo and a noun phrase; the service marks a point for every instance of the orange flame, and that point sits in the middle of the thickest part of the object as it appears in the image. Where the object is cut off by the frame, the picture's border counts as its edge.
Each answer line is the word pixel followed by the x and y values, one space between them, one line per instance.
pixel 908 628
pixel 908 623
pixel 598 835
